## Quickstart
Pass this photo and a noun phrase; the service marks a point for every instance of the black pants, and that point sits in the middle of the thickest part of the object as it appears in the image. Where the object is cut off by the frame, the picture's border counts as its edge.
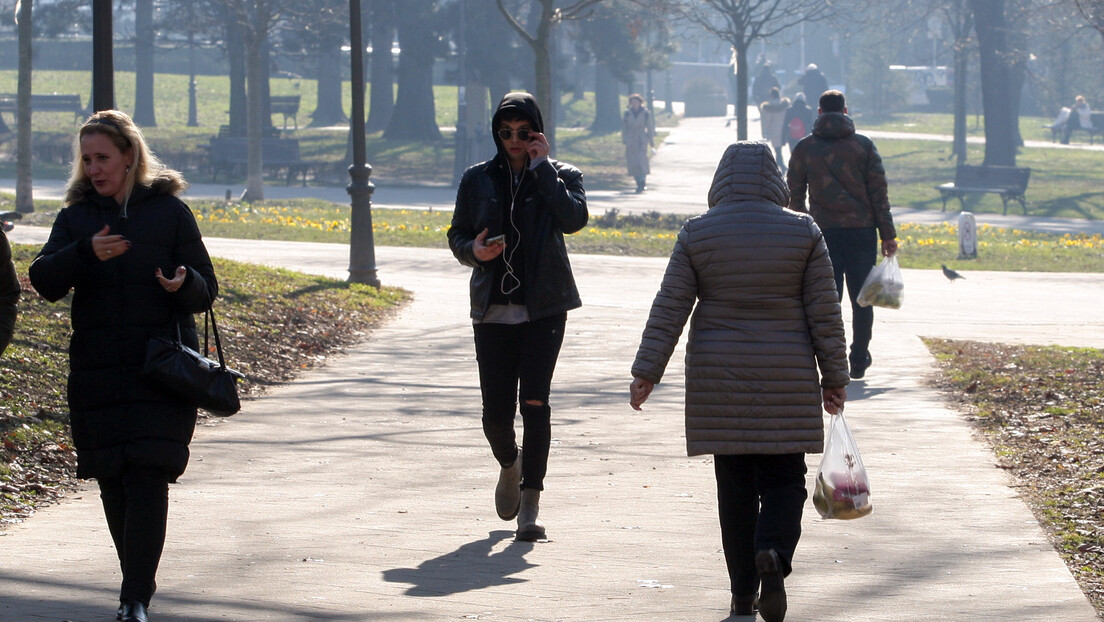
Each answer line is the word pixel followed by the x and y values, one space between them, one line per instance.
pixel 854 253
pixel 516 362
pixel 760 498
pixel 137 508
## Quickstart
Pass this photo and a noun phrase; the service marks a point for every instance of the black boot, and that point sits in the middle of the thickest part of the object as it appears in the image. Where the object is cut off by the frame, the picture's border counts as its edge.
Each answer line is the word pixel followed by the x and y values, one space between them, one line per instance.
pixel 134 611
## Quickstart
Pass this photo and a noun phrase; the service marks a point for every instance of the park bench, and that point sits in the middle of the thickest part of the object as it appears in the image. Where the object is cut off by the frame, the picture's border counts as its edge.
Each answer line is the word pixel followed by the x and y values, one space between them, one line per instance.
pixel 230 154
pixel 287 105
pixel 1056 131
pixel 46 102
pixel 1010 182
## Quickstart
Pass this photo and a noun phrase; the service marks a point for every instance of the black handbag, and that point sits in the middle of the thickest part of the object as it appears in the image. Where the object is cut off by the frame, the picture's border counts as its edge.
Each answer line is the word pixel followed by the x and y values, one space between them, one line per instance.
pixel 192 377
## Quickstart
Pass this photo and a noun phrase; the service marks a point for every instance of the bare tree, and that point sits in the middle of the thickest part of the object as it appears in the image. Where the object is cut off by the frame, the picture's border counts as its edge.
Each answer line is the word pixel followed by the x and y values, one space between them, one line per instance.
pixel 144 47
pixel 1093 12
pixel 1000 88
pixel 415 117
pixel 540 40
pixel 382 93
pixel 741 23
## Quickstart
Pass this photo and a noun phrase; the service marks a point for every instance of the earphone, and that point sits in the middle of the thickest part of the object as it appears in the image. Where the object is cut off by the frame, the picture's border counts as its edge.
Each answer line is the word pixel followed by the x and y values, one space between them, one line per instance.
pixel 513 247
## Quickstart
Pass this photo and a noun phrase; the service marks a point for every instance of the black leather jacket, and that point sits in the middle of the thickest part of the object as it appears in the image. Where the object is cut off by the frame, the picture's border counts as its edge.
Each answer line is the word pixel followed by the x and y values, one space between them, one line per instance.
pixel 550 202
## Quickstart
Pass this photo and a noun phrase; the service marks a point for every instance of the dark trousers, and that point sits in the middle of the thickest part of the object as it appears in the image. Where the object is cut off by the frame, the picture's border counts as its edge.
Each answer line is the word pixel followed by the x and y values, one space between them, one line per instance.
pixel 760 498
pixel 137 507
pixel 1072 123
pixel 516 363
pixel 854 253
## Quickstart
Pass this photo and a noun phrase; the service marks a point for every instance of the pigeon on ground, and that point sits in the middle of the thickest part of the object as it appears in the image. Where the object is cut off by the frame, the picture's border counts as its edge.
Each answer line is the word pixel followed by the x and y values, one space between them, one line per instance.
pixel 951 274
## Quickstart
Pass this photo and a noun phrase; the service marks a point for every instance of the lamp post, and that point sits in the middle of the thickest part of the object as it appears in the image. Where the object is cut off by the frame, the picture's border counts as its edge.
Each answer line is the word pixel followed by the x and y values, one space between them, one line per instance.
pixel 362 249
pixel 103 64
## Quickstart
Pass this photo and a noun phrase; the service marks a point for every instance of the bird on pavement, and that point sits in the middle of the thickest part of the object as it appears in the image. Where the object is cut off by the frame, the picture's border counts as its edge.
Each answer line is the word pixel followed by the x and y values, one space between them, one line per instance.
pixel 951 274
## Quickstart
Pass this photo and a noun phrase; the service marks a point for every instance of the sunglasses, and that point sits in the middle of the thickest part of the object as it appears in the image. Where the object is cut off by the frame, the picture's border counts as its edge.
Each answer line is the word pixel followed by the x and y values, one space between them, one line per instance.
pixel 522 135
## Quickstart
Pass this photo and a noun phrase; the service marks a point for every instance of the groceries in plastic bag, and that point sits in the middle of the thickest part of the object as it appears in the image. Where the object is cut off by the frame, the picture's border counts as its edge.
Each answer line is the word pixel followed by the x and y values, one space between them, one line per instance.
pixel 884 286
pixel 842 490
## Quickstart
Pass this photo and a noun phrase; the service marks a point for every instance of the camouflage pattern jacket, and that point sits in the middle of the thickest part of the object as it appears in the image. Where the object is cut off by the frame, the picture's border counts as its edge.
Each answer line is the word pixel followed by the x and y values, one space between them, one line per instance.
pixel 843 175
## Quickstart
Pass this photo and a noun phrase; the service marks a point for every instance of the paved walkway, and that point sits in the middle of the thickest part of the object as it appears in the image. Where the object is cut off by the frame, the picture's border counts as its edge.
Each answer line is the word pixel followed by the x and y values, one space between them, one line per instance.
pixel 363 491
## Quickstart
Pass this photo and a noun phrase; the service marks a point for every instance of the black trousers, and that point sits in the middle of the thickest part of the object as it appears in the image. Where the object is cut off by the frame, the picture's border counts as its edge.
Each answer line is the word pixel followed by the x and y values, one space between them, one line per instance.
pixel 854 253
pixel 760 498
pixel 137 507
pixel 516 363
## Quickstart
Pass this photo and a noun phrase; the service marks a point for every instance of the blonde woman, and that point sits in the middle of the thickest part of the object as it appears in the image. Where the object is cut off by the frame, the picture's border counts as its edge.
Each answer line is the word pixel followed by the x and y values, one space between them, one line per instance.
pixel 130 251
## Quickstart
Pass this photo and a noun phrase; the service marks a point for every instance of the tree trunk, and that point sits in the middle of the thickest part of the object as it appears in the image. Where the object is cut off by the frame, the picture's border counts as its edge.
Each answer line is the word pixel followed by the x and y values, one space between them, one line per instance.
pixel 607 101
pixel 742 70
pixel 144 48
pixel 381 103
pixel 254 190
pixel 235 43
pixel 996 83
pixel 265 67
pixel 24 199
pixel 415 116
pixel 962 65
pixel 329 110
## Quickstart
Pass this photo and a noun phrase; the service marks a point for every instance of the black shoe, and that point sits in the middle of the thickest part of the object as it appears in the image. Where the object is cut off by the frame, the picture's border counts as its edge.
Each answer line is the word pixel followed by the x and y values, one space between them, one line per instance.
pixel 858 369
pixel 134 611
pixel 772 593
pixel 744 605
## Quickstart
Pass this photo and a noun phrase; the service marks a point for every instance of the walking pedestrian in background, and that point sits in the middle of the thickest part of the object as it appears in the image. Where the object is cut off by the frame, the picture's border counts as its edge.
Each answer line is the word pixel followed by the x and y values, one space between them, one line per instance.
pixel 842 174
pixel 638 136
pixel 511 214
pixel 798 121
pixel 758 282
pixel 771 115
pixel 130 251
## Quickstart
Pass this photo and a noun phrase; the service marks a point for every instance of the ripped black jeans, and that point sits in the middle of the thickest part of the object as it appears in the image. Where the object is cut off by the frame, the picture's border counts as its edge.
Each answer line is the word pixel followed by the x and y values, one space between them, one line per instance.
pixel 516 363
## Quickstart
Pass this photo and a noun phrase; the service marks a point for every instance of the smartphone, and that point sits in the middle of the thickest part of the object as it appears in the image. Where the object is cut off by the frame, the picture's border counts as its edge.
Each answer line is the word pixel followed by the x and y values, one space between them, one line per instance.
pixel 495 241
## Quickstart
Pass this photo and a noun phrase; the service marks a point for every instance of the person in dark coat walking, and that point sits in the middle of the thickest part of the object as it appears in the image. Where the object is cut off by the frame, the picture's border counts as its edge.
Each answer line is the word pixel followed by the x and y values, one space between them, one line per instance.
pixel 130 251
pixel 841 173
pixel 9 293
pixel 813 83
pixel 766 351
pixel 511 215
pixel 798 122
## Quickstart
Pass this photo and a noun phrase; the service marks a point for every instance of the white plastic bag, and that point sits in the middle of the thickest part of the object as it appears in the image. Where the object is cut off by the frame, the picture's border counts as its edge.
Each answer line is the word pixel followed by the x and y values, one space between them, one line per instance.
pixel 884 286
pixel 842 490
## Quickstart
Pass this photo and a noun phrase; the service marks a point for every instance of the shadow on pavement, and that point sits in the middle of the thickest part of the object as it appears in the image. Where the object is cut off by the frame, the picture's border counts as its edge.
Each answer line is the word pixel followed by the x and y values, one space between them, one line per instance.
pixel 473 566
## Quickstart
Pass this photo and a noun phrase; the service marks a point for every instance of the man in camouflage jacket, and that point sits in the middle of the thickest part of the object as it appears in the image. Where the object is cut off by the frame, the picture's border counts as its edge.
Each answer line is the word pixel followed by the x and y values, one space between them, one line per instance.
pixel 846 184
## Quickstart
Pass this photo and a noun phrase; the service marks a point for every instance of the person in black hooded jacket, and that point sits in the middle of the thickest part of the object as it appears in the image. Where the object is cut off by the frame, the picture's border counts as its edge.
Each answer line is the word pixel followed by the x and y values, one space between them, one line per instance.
pixel 131 253
pixel 9 293
pixel 511 214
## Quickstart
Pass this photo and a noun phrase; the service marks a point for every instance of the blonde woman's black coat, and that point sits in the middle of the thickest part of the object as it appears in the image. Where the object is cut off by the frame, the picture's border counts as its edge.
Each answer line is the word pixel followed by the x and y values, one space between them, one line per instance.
pixel 117 417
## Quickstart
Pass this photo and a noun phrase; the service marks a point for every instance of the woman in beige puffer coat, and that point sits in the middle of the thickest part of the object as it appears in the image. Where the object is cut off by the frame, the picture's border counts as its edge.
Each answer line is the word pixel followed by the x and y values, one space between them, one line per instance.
pixel 766 318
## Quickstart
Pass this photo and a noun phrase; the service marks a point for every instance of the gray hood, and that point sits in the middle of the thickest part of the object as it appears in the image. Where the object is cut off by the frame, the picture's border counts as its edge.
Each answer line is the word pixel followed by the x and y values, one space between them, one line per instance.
pixel 748 172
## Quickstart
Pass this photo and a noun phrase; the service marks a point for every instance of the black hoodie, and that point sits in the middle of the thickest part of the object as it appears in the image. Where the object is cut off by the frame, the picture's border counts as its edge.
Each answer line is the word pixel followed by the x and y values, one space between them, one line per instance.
pixel 547 202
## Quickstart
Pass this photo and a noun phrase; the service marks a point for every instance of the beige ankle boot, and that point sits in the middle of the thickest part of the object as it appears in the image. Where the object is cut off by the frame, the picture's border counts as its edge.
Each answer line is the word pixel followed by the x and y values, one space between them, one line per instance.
pixel 529 526
pixel 508 491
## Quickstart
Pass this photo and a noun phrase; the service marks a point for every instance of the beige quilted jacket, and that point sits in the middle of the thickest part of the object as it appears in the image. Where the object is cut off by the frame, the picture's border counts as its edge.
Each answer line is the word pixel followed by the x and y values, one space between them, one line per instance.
pixel 766 333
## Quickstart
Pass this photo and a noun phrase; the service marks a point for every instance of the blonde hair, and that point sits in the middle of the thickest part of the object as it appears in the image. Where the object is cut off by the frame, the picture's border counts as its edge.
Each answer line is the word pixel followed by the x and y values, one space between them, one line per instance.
pixel 145 169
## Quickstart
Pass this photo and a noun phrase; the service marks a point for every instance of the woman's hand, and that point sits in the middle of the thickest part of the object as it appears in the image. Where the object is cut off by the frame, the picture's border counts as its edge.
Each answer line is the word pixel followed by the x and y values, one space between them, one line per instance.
pixel 834 399
pixel 639 391
pixel 173 284
pixel 107 246
pixel 482 251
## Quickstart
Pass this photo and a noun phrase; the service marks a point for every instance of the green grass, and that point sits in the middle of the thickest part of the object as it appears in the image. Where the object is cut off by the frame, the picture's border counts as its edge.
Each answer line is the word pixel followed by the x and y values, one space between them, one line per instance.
pixel 1065 183
pixel 1031 128
pixel 182 147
